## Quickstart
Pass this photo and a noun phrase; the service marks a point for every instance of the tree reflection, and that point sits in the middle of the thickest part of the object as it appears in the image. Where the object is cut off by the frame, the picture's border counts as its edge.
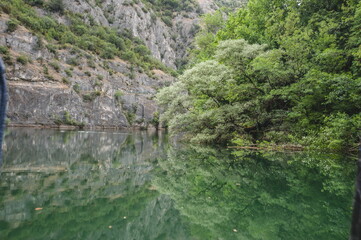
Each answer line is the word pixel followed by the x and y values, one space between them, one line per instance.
pixel 255 195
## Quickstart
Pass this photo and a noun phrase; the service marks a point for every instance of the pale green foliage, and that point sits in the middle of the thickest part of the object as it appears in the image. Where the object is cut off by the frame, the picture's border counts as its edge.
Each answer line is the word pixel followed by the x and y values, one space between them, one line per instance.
pixel 209 80
pixel 237 53
pixel 204 101
pixel 175 99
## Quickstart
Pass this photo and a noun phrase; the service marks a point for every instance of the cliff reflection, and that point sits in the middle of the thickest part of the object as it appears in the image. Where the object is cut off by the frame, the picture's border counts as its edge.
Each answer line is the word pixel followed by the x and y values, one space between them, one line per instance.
pixel 83 185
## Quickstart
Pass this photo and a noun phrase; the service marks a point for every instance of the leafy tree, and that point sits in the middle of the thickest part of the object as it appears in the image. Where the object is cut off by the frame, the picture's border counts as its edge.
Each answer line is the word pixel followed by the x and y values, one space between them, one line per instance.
pixel 205 39
pixel 293 67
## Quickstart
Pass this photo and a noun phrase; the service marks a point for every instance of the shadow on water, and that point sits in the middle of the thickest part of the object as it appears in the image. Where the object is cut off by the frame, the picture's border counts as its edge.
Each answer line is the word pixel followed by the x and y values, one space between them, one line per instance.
pixel 114 185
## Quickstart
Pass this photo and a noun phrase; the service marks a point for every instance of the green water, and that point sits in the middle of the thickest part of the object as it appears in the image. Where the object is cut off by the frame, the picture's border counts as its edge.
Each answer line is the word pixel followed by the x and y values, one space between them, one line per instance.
pixel 113 185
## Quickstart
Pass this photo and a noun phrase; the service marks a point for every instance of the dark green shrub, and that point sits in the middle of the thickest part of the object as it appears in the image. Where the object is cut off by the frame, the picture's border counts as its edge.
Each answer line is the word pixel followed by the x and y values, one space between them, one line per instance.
pixel 38 3
pixel 100 77
pixel 68 120
pixel 128 56
pixel 49 77
pixel 66 81
pixel 55 6
pixel 76 88
pixel 117 41
pixel 22 59
pixel 167 21
pixel 4 50
pixel 118 95
pixel 131 75
pixel 39 43
pixel 98 2
pixel 108 53
pixel 55 66
pixel 8 59
pixel 12 25
pixel 69 37
pixel 45 70
pixel 130 117
pixel 91 64
pixel 155 119
pixel 72 61
pixel 51 48
pixel 68 72
pixel 91 96
pixel 142 50
pixel 79 29
pixel 5 7
pixel 98 84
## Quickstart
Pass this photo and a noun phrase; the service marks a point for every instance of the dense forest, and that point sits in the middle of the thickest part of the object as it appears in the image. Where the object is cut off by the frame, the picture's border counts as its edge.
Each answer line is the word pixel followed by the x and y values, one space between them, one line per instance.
pixel 273 72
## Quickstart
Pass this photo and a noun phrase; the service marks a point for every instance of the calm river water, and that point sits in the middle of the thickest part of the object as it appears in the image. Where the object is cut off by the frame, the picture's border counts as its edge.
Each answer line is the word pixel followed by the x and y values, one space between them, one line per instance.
pixel 138 186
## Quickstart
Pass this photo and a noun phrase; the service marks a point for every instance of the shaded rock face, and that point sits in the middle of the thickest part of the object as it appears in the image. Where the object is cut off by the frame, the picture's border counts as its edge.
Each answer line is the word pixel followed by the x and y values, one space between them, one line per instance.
pixel 47 90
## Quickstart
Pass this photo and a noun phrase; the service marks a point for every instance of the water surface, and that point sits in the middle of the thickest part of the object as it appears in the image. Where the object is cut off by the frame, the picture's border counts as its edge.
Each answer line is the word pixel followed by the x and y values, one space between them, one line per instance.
pixel 119 185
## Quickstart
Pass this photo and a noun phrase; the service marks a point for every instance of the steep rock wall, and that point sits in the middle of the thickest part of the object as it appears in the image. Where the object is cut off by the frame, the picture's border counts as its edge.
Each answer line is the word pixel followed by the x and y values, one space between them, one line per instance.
pixel 47 90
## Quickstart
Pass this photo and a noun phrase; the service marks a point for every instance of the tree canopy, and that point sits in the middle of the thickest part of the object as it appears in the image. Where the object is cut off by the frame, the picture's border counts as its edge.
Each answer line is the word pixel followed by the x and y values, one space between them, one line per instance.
pixel 275 71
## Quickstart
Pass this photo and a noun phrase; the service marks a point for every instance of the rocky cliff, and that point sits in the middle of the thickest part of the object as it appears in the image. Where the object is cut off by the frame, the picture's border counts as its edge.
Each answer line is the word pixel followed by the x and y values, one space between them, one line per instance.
pixel 83 62
pixel 167 34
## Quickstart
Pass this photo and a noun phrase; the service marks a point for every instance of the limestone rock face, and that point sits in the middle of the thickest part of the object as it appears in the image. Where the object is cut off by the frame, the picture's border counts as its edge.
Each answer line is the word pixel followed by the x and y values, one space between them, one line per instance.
pixel 47 90
pixel 166 42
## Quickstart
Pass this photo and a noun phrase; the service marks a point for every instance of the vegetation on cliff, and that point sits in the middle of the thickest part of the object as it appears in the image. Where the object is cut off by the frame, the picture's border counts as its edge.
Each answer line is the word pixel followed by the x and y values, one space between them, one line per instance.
pixel 276 71
pixel 81 31
pixel 165 9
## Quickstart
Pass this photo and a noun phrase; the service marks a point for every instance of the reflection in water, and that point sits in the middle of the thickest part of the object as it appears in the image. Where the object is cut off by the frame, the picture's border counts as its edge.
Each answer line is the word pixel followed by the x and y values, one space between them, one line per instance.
pixel 89 186
pixel 259 195
pixel 93 185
